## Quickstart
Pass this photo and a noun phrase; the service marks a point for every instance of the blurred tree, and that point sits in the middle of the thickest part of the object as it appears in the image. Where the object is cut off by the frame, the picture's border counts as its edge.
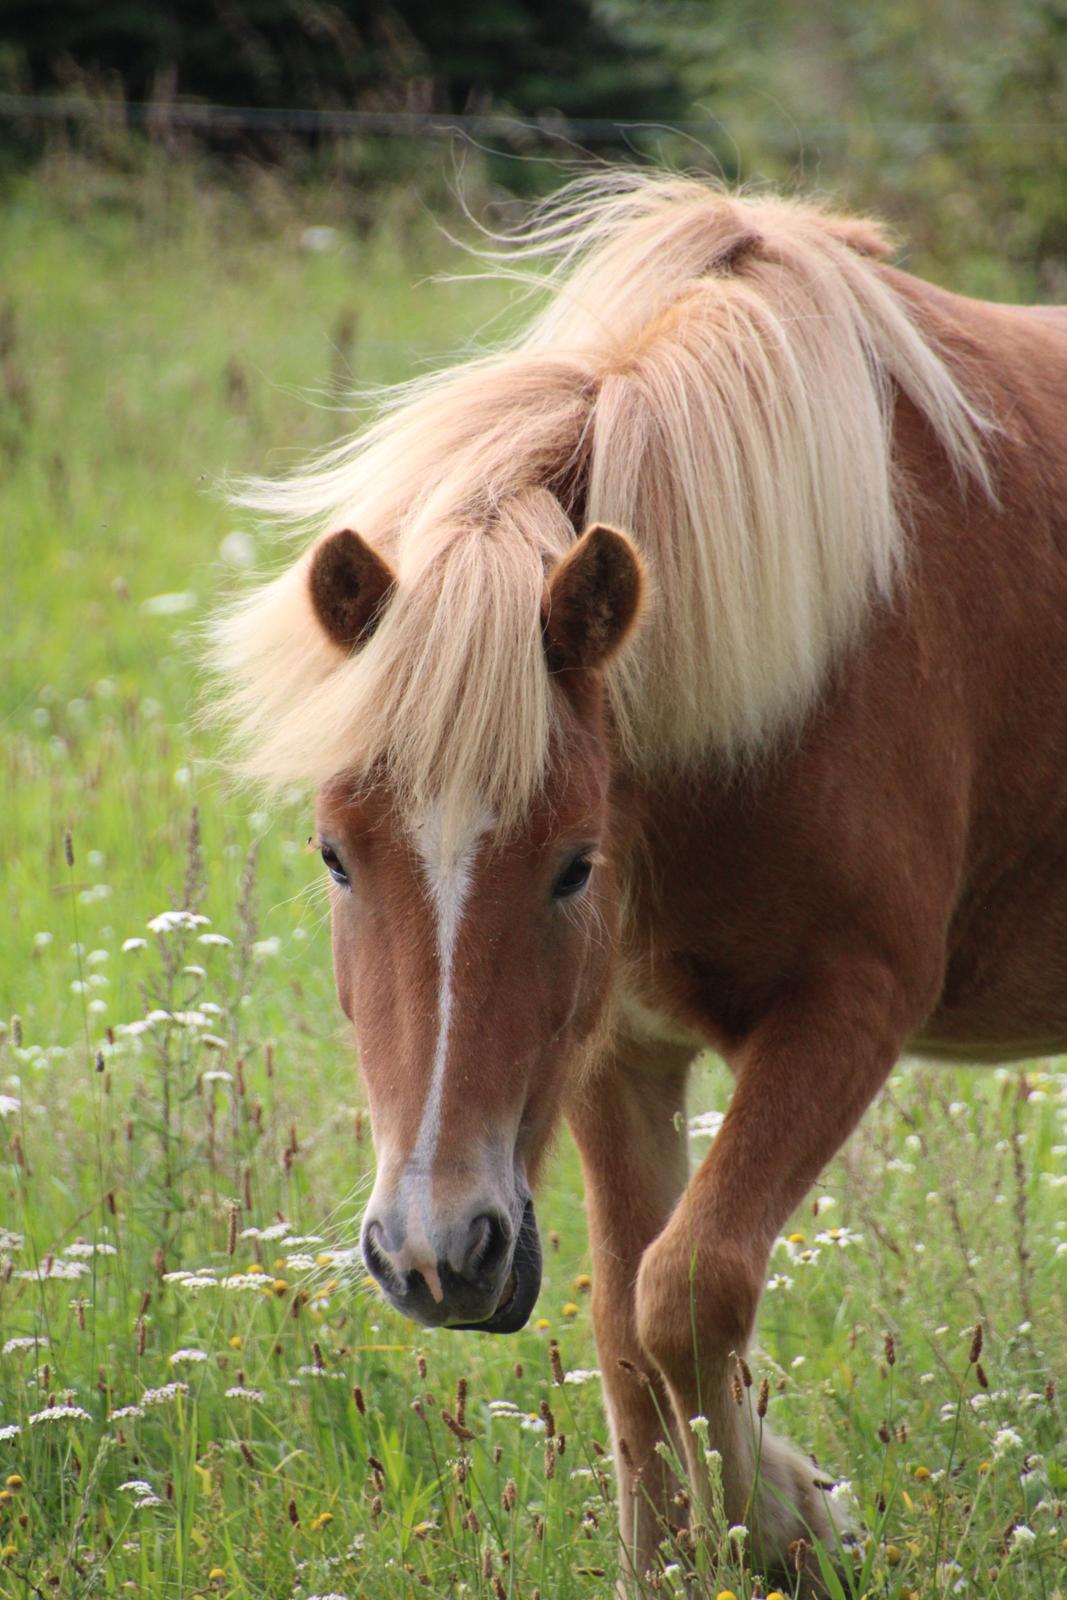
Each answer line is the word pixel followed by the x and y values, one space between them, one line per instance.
pixel 526 56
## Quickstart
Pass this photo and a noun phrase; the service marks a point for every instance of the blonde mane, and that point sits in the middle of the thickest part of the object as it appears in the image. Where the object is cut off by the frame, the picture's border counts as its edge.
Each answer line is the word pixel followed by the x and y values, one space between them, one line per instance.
pixel 713 374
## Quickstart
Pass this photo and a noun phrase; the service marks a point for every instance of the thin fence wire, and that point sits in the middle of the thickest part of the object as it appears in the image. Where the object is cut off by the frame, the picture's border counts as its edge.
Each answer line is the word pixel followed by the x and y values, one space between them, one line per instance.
pixel 208 118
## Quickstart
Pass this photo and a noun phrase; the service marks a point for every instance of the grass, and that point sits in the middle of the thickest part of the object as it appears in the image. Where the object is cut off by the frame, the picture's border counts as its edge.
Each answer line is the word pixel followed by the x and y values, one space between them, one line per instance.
pixel 183 1150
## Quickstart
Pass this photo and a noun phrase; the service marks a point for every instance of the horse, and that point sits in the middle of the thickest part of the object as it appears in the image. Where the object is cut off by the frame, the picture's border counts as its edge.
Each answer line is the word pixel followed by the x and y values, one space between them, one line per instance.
pixel 688 673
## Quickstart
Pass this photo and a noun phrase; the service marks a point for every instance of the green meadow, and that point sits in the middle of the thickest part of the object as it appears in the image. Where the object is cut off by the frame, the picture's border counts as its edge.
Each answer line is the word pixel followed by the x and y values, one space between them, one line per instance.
pixel 200 1394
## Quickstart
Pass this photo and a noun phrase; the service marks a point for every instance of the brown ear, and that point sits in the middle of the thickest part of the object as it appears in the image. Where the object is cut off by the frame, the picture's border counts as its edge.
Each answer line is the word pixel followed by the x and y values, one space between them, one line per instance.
pixel 350 586
pixel 592 600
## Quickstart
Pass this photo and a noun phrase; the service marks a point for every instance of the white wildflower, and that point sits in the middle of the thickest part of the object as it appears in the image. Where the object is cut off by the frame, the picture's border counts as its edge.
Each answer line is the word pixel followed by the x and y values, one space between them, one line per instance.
pixel 9 1105
pixel 240 1392
pixel 136 1486
pixel 1004 1441
pixel 60 1414
pixel 216 1075
pixel 263 948
pixel 165 1393
pixel 582 1375
pixel 780 1280
pixel 1021 1535
pixel 216 939
pixel 842 1237
pixel 57 1269
pixel 125 1411
pixel 168 921
pixel 10 1431
pixel 25 1342
pixel 82 1247
pixel 187 1357
pixel 43 940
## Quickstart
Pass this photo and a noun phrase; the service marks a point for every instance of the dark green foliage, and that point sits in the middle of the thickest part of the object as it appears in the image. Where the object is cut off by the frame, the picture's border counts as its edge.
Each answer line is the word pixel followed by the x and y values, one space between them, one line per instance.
pixel 446 56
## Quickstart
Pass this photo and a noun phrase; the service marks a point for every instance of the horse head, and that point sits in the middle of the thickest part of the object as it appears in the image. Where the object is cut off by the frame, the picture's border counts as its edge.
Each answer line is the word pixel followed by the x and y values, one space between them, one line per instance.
pixel 474 959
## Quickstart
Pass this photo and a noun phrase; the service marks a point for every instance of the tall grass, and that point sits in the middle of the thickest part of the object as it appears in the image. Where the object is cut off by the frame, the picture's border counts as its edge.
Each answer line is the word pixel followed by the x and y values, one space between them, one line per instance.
pixel 199 1392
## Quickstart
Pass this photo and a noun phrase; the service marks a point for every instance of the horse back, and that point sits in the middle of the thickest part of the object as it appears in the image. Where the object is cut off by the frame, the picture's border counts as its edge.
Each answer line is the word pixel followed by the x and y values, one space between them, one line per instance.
pixel 921 811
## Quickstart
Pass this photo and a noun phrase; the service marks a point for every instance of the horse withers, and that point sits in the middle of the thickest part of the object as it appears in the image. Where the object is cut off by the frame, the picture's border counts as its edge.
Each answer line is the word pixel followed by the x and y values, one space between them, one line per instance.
pixel 696 677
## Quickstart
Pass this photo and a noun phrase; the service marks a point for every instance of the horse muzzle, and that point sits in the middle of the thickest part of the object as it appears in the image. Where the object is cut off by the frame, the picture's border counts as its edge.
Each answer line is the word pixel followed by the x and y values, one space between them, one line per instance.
pixel 482 1273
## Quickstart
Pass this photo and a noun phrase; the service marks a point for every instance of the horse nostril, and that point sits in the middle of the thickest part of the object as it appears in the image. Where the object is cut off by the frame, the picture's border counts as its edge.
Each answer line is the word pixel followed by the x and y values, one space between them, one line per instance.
pixel 374 1250
pixel 488 1245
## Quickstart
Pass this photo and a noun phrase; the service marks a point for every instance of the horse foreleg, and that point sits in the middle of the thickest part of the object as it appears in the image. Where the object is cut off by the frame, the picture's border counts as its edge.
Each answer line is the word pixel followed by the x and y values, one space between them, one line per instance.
pixel 804 1078
pixel 627 1119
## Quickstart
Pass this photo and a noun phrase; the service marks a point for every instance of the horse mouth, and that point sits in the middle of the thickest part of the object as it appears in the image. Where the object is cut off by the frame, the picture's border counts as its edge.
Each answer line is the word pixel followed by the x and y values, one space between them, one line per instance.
pixel 519 1294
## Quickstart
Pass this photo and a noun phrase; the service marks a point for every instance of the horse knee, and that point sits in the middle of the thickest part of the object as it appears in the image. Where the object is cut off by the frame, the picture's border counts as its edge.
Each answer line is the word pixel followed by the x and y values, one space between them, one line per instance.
pixel 694 1304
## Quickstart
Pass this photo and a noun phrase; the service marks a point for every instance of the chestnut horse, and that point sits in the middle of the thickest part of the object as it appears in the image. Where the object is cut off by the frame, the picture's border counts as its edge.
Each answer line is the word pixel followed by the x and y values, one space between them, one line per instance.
pixel 770 758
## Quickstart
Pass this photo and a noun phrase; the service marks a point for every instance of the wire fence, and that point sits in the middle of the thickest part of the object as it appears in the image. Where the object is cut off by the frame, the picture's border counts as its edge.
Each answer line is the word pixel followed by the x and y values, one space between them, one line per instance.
pixel 519 130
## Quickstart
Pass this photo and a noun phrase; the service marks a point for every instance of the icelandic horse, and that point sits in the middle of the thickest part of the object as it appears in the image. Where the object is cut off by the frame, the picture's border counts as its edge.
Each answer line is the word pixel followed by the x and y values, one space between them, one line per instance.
pixel 769 758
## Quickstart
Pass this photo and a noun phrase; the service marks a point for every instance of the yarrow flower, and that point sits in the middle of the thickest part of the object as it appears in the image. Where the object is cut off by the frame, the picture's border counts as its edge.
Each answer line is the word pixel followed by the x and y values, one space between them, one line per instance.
pixel 582 1375
pixel 1005 1440
pixel 134 944
pixel 168 921
pixel 56 1269
pixel 166 1392
pixel 143 1493
pixel 25 1342
pixel 125 1411
pixel 219 939
pixel 187 1357
pixel 60 1414
pixel 10 1431
pixel 240 1392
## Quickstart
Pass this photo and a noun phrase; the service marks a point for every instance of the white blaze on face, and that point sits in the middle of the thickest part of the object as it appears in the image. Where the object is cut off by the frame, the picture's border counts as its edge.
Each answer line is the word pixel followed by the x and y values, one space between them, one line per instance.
pixel 448 874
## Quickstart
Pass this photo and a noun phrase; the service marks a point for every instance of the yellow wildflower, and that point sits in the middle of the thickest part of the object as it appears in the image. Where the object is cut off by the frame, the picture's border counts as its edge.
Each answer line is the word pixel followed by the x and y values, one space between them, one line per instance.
pixel 9 1552
pixel 570 1309
pixel 583 1283
pixel 921 1474
pixel 216 1575
pixel 894 1555
pixel 236 1342
pixel 796 1238
pixel 726 1594
pixel 323 1518
pixel 985 1466
pixel 5 1496
pixel 541 1324
pixel 254 1268
pixel 14 1481
pixel 279 1286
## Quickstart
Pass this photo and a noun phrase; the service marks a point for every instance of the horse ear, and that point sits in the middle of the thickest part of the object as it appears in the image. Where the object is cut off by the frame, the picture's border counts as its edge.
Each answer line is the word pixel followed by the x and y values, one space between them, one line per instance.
pixel 592 600
pixel 350 586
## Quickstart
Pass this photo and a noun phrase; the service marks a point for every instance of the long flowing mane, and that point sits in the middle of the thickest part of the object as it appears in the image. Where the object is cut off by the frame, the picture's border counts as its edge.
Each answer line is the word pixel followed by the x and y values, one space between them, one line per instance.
pixel 713 374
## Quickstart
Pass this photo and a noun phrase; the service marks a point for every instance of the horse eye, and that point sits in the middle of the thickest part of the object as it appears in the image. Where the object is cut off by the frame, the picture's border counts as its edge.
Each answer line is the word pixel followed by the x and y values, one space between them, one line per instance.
pixel 574 876
pixel 333 865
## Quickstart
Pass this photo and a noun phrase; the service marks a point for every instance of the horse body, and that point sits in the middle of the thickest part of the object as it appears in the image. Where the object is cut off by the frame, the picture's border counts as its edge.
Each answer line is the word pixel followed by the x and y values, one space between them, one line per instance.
pixel 884 870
